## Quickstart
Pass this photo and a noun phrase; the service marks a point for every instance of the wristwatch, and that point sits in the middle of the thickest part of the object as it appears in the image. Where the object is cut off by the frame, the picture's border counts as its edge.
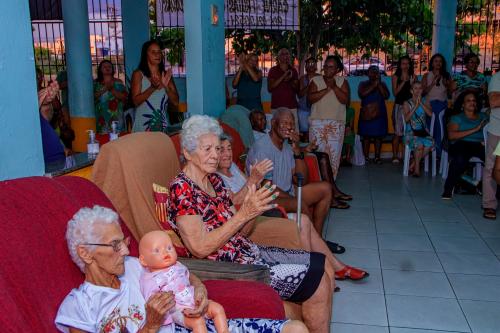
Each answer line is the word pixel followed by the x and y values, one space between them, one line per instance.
pixel 299 156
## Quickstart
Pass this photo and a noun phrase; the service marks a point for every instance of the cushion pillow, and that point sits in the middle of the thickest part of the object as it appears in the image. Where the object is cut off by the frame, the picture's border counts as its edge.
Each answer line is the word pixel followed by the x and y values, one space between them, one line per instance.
pixel 160 196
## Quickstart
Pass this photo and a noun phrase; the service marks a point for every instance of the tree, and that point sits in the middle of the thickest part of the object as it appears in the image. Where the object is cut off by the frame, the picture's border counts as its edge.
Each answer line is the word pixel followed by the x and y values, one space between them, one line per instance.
pixel 358 26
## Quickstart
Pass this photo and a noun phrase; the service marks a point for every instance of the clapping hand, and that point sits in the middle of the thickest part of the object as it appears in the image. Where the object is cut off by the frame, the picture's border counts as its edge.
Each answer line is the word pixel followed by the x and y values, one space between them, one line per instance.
pixel 156 81
pixel 258 201
pixel 166 77
pixel 259 170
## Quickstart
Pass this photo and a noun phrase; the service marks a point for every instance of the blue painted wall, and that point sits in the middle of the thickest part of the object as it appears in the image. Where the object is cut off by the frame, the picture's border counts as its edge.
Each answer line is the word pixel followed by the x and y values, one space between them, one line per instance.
pixel 204 57
pixel 78 60
pixel 20 138
pixel 443 30
pixel 135 16
pixel 266 96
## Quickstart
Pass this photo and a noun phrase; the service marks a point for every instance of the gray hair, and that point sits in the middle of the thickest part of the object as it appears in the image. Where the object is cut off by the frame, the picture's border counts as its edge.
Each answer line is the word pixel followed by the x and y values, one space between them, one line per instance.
pixel 196 126
pixel 80 229
pixel 280 112
pixel 226 137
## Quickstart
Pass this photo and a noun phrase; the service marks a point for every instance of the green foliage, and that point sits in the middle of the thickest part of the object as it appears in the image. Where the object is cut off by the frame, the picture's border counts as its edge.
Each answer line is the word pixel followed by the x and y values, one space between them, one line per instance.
pixel 42 52
pixel 358 26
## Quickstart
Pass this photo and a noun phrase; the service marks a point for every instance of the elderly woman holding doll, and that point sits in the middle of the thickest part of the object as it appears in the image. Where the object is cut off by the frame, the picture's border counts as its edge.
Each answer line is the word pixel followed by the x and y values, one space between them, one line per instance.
pixel 110 299
pixel 203 215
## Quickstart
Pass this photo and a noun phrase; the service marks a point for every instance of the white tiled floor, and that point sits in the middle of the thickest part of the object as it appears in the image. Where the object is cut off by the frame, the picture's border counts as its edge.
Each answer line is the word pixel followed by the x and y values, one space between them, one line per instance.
pixel 434 265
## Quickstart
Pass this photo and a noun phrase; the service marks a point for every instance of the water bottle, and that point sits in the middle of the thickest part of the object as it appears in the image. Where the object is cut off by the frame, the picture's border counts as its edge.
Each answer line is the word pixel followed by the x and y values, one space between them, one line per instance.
pixel 113 135
pixel 92 145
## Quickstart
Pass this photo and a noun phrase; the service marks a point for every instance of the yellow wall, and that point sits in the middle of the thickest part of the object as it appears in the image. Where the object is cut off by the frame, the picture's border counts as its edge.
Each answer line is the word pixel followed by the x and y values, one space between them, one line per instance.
pixel 80 126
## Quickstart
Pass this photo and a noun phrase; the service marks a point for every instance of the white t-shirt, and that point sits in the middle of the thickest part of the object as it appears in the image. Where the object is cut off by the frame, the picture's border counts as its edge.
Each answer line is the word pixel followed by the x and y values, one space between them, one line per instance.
pixel 494 124
pixel 237 181
pixel 94 308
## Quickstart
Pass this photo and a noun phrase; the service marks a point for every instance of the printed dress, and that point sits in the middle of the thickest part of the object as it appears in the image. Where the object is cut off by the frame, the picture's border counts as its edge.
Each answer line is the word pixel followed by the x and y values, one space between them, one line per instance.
pixel 295 274
pixel 152 116
pixel 108 108
pixel 417 123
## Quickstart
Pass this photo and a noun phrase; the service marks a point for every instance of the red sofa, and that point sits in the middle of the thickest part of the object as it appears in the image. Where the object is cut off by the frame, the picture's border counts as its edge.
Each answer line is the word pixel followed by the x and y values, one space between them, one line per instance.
pixel 36 271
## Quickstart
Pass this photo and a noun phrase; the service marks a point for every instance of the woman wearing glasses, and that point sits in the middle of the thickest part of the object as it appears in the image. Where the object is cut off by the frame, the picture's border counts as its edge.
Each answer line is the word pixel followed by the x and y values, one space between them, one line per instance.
pixel 110 299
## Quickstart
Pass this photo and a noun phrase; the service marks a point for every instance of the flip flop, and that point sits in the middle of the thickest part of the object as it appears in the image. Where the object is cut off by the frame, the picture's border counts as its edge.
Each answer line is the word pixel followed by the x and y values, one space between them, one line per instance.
pixel 351 273
pixel 340 205
pixel 335 248
pixel 344 197
pixel 490 214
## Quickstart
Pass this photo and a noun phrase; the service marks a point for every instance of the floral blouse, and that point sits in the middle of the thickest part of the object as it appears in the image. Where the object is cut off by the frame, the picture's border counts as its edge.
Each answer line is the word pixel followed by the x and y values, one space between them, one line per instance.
pixel 108 108
pixel 187 198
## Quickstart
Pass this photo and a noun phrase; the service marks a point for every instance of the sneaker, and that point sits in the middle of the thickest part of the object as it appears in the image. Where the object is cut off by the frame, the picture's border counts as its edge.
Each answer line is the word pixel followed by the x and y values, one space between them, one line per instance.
pixel 395 161
pixel 447 195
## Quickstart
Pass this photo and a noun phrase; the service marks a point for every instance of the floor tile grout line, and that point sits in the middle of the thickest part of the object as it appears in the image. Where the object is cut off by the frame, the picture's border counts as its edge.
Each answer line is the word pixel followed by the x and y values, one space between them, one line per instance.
pixel 378 251
pixel 439 259
pixel 479 234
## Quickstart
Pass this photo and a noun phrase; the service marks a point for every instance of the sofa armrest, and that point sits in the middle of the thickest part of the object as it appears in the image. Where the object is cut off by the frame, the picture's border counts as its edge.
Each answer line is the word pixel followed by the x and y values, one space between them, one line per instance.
pixel 271 231
pixel 216 270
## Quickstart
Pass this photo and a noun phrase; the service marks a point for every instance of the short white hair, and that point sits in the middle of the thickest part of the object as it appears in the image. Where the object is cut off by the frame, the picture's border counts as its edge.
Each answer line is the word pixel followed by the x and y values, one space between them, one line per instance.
pixel 196 126
pixel 80 229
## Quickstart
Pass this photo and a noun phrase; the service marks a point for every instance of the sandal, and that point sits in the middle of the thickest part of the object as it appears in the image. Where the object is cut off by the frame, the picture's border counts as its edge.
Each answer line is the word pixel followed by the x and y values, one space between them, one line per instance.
pixel 351 273
pixel 490 214
pixel 344 197
pixel 335 248
pixel 339 205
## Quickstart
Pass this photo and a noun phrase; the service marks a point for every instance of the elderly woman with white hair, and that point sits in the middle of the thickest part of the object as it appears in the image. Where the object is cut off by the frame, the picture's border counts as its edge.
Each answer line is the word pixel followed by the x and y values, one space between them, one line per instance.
pixel 110 299
pixel 203 215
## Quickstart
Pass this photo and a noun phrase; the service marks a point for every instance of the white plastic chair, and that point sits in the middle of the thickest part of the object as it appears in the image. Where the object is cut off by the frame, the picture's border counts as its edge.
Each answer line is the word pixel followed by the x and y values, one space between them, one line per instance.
pixel 434 153
pixel 443 165
pixel 406 161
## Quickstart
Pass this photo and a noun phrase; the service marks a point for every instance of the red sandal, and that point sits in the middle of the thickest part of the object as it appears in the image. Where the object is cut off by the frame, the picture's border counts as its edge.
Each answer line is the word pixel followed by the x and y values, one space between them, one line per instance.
pixel 350 273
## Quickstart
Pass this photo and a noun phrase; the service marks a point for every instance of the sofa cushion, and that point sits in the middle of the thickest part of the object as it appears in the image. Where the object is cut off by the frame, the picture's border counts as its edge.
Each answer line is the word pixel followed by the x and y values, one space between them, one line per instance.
pixel 160 196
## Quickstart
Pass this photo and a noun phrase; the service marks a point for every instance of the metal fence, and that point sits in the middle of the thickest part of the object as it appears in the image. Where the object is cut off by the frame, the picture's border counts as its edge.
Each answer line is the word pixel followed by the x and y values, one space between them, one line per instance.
pixel 477 31
pixel 106 39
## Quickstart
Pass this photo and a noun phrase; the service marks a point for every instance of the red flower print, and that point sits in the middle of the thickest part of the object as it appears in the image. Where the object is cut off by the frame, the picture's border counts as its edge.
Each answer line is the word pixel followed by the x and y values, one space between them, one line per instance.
pixel 113 104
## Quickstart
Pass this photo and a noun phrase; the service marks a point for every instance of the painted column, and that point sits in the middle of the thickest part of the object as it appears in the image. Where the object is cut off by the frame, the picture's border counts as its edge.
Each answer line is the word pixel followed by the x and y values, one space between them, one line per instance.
pixel 443 30
pixel 135 27
pixel 205 57
pixel 21 151
pixel 79 68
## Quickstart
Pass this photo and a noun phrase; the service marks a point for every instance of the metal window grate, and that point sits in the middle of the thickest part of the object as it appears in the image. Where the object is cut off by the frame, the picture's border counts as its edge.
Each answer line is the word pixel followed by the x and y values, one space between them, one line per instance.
pixel 106 39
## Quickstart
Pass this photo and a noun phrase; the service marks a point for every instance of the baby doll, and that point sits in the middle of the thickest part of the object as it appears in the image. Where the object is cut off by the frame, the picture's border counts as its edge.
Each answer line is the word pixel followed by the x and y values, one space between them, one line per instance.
pixel 163 273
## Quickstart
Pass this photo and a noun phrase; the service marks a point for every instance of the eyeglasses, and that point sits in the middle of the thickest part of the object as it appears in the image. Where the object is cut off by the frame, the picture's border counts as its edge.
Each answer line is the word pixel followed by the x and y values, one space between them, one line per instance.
pixel 117 245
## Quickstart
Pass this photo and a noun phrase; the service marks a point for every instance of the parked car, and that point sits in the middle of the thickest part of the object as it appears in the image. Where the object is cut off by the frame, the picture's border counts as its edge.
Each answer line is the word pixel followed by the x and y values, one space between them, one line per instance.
pixel 358 63
pixel 364 72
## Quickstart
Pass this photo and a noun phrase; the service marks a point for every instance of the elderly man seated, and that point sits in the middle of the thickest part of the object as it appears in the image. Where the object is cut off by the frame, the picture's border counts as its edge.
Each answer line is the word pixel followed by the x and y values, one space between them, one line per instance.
pixel 281 146
pixel 110 299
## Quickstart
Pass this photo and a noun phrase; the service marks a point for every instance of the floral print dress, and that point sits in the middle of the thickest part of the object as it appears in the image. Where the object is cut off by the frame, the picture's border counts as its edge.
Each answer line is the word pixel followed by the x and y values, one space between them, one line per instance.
pixel 108 108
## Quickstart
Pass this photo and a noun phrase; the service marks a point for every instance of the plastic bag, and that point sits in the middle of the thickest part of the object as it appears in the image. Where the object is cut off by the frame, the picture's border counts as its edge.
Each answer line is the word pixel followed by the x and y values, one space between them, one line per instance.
pixel 358 158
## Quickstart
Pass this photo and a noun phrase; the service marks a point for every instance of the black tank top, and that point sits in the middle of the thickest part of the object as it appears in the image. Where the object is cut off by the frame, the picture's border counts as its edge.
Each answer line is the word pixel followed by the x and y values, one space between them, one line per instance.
pixel 404 94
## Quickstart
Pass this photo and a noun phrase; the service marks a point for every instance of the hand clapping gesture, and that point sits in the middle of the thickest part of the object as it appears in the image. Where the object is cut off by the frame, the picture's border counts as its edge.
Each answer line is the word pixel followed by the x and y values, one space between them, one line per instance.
pixel 259 170
pixel 166 77
pixel 257 202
